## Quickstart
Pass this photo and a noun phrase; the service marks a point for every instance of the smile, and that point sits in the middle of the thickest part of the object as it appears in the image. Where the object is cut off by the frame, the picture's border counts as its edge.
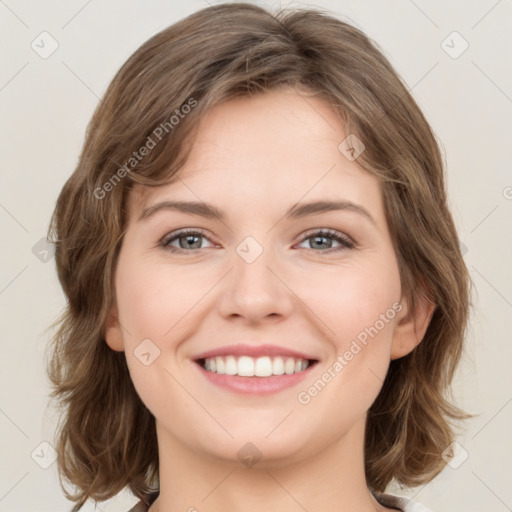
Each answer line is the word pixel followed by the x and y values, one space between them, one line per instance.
pixel 254 368
pixel 245 366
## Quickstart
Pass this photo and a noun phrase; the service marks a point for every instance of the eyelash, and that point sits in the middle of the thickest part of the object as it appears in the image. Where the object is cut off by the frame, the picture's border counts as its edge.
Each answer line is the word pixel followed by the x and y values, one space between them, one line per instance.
pixel 346 243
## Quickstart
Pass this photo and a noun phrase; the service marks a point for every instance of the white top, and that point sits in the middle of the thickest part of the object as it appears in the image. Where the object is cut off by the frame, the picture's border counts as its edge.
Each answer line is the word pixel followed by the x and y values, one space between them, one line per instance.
pixel 400 503
pixel 388 500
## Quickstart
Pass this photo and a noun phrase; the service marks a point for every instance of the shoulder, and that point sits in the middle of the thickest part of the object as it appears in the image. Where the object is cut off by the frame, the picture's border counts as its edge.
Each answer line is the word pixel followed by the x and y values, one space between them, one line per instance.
pixel 388 500
pixel 400 502
pixel 139 507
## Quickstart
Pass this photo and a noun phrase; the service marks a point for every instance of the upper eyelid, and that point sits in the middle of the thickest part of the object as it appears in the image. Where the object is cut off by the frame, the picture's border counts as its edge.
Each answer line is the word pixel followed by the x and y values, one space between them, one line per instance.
pixel 184 231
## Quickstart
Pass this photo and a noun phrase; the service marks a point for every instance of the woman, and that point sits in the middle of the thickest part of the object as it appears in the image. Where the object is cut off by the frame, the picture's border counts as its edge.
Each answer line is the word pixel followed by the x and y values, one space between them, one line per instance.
pixel 267 300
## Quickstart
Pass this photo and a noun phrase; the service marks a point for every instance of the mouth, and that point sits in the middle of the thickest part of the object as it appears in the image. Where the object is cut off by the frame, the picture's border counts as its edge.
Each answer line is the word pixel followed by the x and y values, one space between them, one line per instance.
pixel 246 366
pixel 254 370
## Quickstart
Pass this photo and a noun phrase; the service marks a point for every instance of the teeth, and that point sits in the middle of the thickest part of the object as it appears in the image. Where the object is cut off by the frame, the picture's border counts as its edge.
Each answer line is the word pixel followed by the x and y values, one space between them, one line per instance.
pixel 262 367
pixel 289 366
pixel 220 365
pixel 278 366
pixel 246 366
pixel 231 366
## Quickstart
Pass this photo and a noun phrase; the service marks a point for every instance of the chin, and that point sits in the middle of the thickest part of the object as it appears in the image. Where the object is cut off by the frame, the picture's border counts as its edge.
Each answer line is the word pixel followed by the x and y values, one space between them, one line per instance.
pixel 255 447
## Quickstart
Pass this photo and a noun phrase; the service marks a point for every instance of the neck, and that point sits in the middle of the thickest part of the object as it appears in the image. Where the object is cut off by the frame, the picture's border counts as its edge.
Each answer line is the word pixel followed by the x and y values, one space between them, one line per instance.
pixel 331 480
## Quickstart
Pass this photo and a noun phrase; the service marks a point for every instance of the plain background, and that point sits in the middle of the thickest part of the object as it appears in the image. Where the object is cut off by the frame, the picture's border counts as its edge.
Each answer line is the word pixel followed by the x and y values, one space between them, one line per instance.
pixel 46 104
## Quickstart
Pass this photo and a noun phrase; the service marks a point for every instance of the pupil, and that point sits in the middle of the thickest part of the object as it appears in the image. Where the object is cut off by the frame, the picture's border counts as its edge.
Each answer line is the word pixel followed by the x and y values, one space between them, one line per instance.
pixel 317 238
pixel 190 239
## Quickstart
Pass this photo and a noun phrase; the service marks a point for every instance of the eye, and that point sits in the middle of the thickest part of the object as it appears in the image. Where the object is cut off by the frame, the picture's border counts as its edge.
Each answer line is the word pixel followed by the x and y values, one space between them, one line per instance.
pixel 190 240
pixel 320 239
pixel 186 238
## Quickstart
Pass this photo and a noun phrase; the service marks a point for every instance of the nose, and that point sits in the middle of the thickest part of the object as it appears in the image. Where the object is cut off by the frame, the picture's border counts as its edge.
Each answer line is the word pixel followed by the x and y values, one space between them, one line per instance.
pixel 256 289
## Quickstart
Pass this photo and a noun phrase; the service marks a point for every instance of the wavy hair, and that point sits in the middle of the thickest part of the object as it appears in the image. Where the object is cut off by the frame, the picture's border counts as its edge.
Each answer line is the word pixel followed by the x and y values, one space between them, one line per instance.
pixel 106 437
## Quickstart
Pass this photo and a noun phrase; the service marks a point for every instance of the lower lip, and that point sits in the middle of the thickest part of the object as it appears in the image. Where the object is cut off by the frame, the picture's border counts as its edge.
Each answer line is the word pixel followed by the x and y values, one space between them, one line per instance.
pixel 259 386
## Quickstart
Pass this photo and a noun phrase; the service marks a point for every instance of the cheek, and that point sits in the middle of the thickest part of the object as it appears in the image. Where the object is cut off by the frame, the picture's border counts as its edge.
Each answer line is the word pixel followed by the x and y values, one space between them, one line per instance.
pixel 153 301
pixel 353 298
pixel 362 312
pixel 153 297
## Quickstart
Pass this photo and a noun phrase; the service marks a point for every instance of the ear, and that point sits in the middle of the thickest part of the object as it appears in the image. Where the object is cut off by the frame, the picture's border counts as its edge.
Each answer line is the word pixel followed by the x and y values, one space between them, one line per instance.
pixel 411 326
pixel 113 333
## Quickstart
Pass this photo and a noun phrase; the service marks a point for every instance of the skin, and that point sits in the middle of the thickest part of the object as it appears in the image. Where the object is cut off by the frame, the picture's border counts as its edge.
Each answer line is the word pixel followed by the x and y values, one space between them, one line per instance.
pixel 295 294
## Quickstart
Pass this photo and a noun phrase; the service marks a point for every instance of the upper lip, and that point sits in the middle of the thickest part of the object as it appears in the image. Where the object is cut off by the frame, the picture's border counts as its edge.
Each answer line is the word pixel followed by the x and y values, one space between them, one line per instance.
pixel 241 349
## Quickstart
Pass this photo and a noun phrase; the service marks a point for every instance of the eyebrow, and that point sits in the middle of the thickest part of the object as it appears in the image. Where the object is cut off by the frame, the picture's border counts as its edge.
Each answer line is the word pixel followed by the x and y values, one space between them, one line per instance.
pixel 297 211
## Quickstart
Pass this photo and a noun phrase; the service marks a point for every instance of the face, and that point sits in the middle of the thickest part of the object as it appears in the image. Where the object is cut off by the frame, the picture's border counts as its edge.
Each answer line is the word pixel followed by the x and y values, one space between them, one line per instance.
pixel 262 283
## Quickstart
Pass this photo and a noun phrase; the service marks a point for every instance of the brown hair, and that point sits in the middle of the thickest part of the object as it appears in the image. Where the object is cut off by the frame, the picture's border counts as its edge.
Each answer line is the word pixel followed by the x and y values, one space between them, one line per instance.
pixel 107 438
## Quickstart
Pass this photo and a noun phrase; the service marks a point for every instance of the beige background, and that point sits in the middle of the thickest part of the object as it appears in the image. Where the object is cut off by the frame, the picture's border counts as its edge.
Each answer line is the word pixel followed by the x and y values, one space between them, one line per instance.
pixel 45 105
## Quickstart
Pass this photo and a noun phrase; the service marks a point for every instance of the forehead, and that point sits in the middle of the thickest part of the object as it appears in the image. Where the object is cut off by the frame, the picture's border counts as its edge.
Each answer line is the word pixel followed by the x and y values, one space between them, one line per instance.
pixel 279 146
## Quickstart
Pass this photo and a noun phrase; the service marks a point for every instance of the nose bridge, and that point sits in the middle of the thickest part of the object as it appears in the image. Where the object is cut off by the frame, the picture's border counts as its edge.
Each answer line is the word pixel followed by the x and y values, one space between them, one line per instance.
pixel 254 289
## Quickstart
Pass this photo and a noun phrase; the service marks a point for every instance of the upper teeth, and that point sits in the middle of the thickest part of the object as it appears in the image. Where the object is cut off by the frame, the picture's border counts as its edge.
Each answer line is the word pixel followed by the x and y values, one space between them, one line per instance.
pixel 246 366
